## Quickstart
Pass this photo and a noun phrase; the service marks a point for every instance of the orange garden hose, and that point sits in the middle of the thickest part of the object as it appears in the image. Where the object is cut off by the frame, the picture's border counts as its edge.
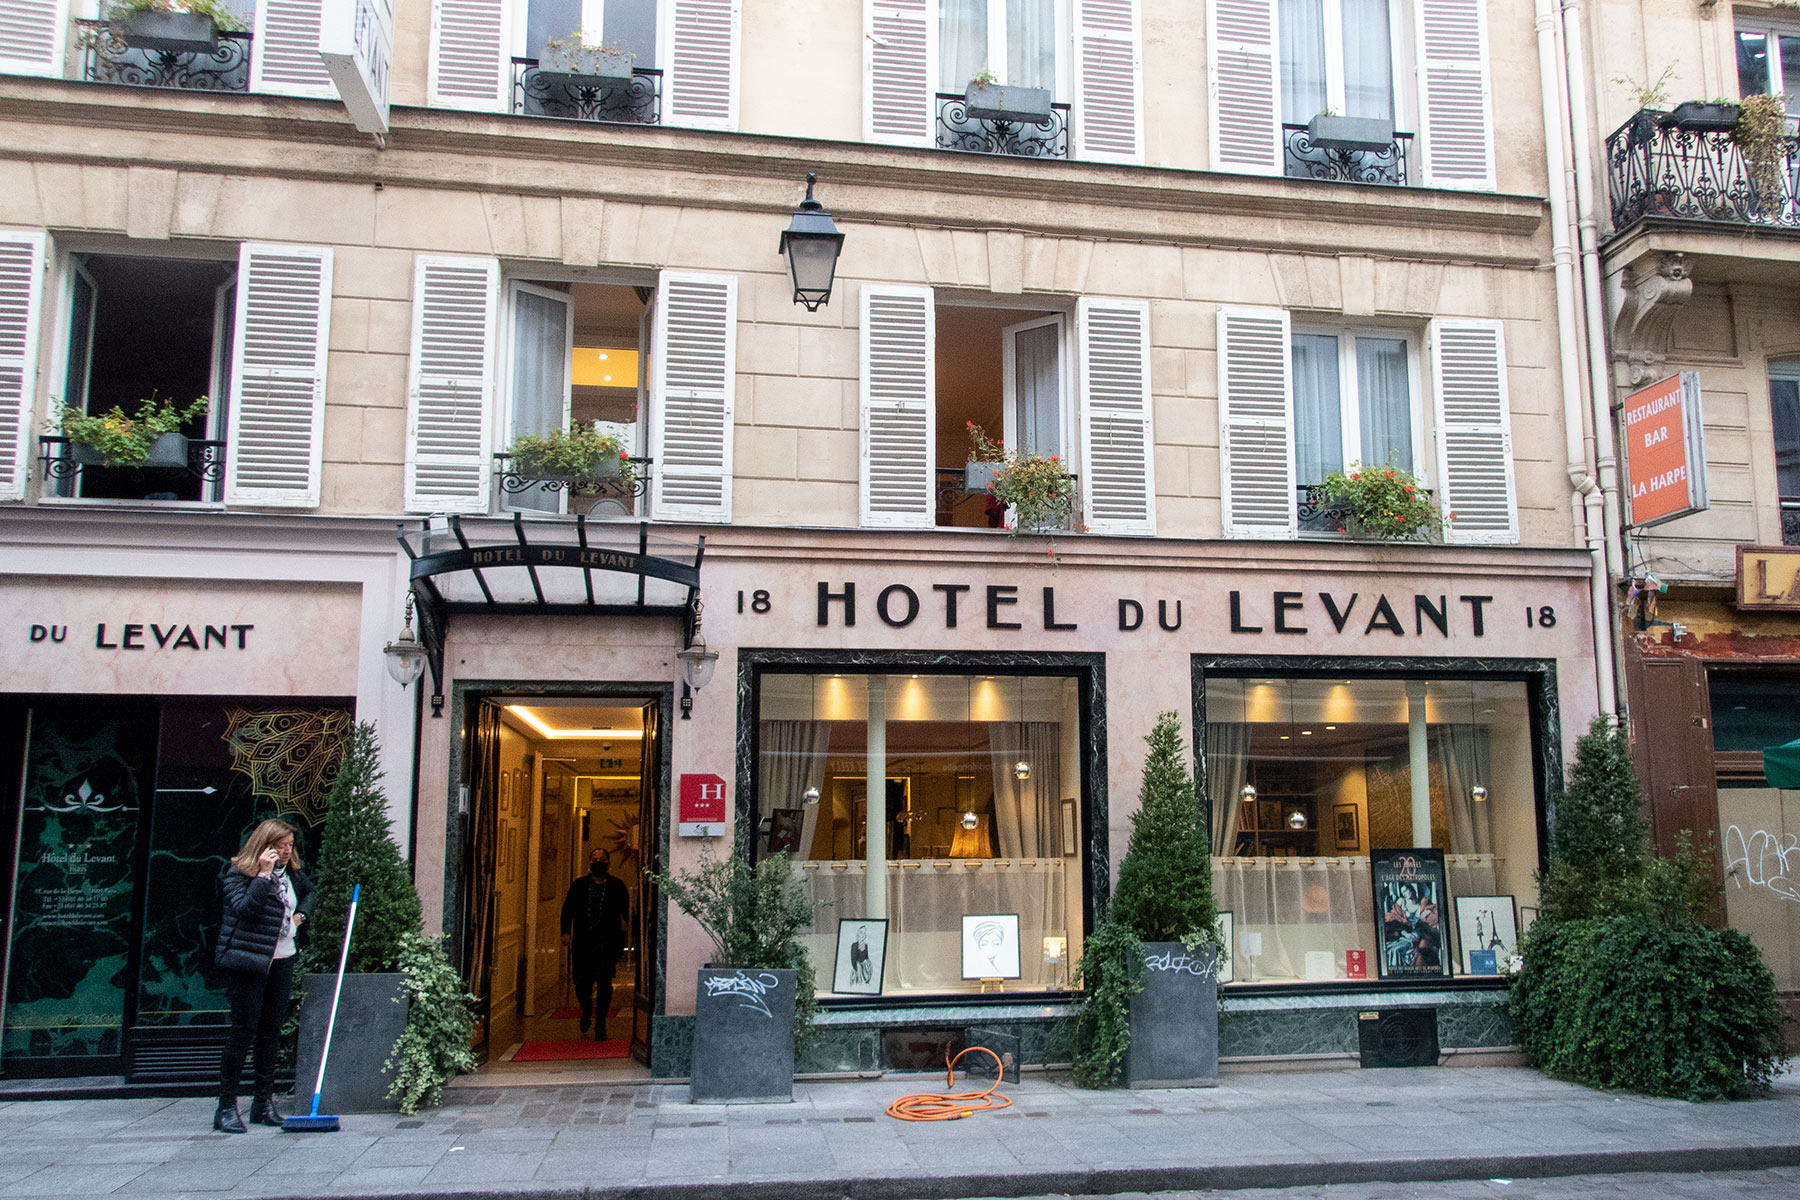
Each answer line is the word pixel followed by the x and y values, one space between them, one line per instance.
pixel 951 1106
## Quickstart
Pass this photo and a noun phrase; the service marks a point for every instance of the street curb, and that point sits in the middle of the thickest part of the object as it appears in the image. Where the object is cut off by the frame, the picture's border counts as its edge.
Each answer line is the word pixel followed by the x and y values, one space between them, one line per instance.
pixel 1103 1181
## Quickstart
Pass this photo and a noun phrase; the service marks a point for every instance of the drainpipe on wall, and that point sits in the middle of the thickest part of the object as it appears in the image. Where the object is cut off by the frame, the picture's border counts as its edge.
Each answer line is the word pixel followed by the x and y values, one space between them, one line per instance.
pixel 1586 504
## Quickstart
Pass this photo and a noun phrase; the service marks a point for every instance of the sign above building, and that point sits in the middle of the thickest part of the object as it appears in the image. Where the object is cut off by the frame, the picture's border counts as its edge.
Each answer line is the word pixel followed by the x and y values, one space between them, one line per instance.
pixel 356 39
pixel 1768 577
pixel 1665 451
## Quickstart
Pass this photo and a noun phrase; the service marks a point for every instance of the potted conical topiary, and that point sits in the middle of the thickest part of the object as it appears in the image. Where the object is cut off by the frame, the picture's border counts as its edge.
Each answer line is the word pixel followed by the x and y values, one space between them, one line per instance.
pixel 1149 970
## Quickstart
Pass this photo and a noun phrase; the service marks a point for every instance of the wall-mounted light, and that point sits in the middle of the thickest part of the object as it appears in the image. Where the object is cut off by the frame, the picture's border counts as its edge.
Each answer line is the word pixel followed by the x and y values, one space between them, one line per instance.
pixel 405 655
pixel 697 663
pixel 812 244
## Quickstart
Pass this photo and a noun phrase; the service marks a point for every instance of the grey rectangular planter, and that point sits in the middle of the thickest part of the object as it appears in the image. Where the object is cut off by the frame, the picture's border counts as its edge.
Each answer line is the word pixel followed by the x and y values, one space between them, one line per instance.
pixel 1175 1019
pixel 978 477
pixel 168 32
pixel 743 1037
pixel 371 1017
pixel 166 450
pixel 1697 117
pixel 586 63
pixel 999 102
pixel 1351 133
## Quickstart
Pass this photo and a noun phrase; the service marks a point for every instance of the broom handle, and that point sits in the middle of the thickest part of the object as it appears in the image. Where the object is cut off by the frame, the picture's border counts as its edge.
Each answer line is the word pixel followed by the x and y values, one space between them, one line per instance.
pixel 331 1022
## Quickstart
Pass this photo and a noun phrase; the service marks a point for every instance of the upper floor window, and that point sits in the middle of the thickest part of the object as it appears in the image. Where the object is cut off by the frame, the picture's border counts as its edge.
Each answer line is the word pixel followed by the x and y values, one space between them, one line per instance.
pixel 1768 62
pixel 1013 40
pixel 1336 56
pixel 1352 402
pixel 1784 410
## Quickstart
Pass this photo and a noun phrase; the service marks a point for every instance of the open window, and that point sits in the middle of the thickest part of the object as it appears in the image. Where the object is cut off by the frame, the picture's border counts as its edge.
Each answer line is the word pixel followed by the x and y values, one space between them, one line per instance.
pixel 1784 413
pixel 1768 61
pixel 1353 403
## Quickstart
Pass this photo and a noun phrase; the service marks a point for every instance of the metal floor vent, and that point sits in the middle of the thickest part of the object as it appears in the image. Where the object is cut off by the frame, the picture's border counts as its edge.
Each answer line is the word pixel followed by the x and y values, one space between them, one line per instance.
pixel 1398 1037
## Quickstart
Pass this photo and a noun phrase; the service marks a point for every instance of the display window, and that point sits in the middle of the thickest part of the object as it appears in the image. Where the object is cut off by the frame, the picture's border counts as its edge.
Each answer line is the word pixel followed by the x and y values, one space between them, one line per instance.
pixel 1759 822
pixel 966 869
pixel 1310 777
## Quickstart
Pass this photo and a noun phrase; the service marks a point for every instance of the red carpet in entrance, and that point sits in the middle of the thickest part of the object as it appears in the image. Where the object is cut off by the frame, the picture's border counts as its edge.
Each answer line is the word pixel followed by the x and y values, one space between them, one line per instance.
pixel 570 1013
pixel 572 1050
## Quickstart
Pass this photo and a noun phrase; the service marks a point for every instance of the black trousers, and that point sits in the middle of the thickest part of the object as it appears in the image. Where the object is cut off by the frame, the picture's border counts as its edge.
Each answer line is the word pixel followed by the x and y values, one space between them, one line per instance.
pixel 590 968
pixel 259 1004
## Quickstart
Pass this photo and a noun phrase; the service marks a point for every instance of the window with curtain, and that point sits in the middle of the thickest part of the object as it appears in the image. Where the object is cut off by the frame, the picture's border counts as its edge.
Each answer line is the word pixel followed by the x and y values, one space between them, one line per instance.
pixel 976 824
pixel 1306 774
pixel 1768 62
pixel 1784 411
pixel 1353 402
pixel 1013 40
pixel 1336 55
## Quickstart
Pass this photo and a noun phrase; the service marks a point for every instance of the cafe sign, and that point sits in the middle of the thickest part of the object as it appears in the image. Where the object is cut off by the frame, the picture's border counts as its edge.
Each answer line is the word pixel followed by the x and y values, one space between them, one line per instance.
pixel 1665 451
pixel 1768 577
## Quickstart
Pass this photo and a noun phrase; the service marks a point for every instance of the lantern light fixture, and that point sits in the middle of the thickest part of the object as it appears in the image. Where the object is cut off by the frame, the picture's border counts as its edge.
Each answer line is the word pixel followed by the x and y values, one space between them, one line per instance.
pixel 405 654
pixel 812 244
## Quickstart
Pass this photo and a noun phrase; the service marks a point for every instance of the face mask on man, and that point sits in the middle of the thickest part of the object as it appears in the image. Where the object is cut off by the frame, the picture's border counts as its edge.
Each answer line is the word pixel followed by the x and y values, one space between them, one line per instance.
pixel 597 868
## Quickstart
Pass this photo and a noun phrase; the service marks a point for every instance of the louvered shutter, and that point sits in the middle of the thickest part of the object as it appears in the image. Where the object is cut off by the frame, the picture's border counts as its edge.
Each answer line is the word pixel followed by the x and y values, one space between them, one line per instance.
pixel 897 345
pixel 284 56
pixel 899 71
pixel 1118 486
pixel 469 65
pixel 1256 423
pixel 1109 101
pixel 693 377
pixel 21 285
pixel 450 384
pixel 1244 86
pixel 31 37
pixel 701 76
pixel 274 447
pixel 1453 94
pixel 1475 466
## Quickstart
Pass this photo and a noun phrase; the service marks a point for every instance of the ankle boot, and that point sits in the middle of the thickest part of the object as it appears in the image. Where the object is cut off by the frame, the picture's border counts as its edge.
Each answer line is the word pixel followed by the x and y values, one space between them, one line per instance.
pixel 226 1120
pixel 264 1112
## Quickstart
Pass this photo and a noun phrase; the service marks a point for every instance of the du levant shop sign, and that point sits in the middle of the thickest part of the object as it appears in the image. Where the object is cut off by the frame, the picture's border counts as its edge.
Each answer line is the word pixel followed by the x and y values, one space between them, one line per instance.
pixel 1665 451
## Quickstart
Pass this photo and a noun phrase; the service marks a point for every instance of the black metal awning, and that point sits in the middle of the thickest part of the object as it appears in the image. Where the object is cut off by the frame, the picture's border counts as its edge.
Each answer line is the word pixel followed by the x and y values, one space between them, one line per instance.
pixel 546 568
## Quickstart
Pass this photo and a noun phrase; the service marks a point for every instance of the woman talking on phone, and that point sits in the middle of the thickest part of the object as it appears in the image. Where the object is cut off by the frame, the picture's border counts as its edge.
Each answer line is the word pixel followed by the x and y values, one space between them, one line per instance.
pixel 266 900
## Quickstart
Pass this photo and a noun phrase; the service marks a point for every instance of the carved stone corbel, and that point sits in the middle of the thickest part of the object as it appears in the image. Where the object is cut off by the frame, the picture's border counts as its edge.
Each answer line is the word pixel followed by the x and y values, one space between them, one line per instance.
pixel 1654 289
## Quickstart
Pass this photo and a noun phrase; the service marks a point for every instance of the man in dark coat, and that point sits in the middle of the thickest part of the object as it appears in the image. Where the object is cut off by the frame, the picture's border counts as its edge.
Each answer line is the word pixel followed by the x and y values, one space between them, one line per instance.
pixel 594 914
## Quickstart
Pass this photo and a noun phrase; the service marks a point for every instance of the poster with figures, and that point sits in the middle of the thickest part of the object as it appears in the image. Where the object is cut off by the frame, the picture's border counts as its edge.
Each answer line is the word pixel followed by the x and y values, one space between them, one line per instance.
pixel 1409 911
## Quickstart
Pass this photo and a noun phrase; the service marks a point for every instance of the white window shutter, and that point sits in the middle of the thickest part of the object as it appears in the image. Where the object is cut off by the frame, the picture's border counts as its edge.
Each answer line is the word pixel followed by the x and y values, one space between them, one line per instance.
pixel 1109 71
pixel 31 37
pixel 897 345
pixel 1244 86
pixel 1118 484
pixel 1453 94
pixel 274 449
pixel 284 55
pixel 469 65
pixel 21 291
pixel 1475 464
pixel 1256 423
pixel 693 387
pixel 701 76
pixel 450 384
pixel 900 71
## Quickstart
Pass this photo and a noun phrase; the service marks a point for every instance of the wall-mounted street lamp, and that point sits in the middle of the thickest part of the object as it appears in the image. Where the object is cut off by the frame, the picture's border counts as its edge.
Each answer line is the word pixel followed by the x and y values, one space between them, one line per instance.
pixel 697 663
pixel 812 244
pixel 405 654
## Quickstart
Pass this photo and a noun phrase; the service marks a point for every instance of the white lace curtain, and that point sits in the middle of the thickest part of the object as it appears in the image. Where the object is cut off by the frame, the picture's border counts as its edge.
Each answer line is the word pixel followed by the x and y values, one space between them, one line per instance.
pixel 792 759
pixel 1025 809
pixel 1227 762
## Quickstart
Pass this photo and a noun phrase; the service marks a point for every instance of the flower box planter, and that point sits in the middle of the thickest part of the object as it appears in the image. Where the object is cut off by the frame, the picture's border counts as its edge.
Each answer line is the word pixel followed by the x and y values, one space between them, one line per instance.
pixel 1175 1019
pixel 1351 133
pixel 743 1037
pixel 168 32
pixel 603 470
pixel 978 477
pixel 586 65
pixel 999 102
pixel 1696 117
pixel 169 451
pixel 371 1017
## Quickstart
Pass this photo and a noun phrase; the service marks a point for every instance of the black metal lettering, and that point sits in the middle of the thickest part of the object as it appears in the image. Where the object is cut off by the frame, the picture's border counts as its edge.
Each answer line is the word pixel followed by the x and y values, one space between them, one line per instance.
pixel 998 594
pixel 213 631
pixel 1285 603
pixel 912 604
pixel 1475 603
pixel 951 591
pixel 1050 621
pixel 1237 617
pixel 241 631
pixel 1131 615
pixel 1162 615
pixel 162 639
pixel 187 639
pixel 1339 619
pixel 1384 618
pixel 132 638
pixel 100 642
pixel 1438 614
pixel 847 598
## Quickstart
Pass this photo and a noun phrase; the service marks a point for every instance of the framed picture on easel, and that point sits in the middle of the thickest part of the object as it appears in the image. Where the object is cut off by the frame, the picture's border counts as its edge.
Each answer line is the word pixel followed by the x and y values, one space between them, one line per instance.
pixel 990 946
pixel 861 956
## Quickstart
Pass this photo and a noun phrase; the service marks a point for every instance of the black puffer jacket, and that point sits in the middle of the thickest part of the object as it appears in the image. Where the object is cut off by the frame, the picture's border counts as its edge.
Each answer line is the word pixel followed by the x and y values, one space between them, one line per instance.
pixel 252 922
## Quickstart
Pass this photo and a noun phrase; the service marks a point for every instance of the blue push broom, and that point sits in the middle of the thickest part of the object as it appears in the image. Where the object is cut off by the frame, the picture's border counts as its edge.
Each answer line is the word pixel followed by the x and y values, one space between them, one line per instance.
pixel 312 1122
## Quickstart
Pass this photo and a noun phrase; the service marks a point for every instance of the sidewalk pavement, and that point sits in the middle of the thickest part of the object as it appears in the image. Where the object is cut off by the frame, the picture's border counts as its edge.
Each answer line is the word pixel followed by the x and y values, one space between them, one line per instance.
pixel 645 1142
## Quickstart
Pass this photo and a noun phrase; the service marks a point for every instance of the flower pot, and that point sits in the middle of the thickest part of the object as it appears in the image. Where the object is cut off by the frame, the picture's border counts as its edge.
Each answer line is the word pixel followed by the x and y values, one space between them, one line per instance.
pixel 978 477
pixel 1696 117
pixel 586 65
pixel 167 451
pixel 998 102
pixel 371 1017
pixel 1351 133
pixel 743 1037
pixel 605 468
pixel 168 32
pixel 1175 1019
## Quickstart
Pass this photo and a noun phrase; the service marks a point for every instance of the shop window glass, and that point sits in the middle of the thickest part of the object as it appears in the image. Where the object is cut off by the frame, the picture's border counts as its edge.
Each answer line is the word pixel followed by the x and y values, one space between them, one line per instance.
pixel 979 817
pixel 1752 713
pixel 1759 825
pixel 1306 775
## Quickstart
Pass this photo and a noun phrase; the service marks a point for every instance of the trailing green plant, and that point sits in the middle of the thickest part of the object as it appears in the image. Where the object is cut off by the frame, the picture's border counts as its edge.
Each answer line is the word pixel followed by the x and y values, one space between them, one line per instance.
pixel 435 1046
pixel 754 916
pixel 583 53
pixel 221 16
pixel 1385 502
pixel 983 448
pixel 574 452
pixel 1654 94
pixel 1038 488
pixel 1164 895
pixel 124 440
pixel 1761 134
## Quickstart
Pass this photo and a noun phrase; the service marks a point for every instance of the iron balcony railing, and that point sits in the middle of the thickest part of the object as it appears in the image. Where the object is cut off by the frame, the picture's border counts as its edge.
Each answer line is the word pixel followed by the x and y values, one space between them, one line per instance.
pixel 1303 159
pixel 105 58
pixel 539 93
pixel 1656 168
pixel 957 130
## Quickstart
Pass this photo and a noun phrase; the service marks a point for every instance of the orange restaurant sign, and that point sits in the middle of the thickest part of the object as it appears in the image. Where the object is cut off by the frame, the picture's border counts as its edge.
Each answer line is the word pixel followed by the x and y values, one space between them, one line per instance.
pixel 1768 577
pixel 1665 457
